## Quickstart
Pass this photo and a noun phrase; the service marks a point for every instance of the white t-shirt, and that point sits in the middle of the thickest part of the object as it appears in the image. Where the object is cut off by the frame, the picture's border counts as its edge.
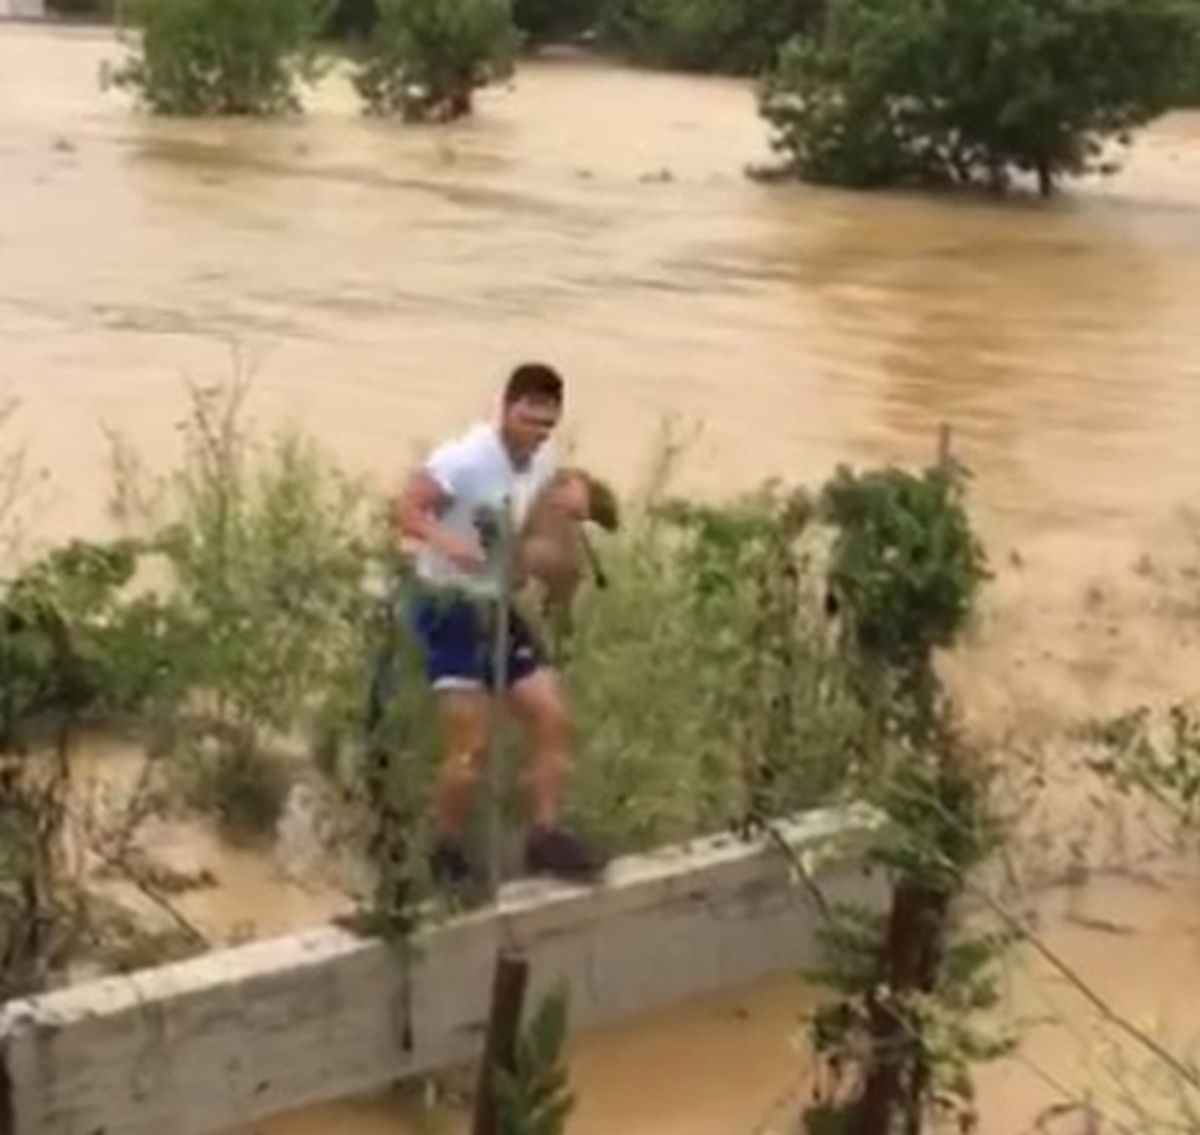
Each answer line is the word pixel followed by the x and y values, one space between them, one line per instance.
pixel 476 473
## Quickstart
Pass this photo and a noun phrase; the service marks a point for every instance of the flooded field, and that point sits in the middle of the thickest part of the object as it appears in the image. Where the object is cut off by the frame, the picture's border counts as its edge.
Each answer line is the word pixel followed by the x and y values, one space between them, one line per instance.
pixel 383 280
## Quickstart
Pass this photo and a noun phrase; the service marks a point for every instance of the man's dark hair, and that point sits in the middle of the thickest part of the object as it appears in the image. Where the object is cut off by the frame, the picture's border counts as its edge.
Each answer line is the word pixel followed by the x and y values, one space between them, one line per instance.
pixel 536 381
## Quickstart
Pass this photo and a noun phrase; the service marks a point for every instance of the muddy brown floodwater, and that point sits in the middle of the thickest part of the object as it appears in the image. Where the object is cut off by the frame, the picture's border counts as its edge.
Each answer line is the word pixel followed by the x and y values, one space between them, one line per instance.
pixel 383 279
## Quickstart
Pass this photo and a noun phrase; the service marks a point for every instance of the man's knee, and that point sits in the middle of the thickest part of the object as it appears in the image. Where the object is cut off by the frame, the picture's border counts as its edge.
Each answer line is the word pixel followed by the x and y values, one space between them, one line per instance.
pixel 541 700
pixel 553 725
pixel 463 766
pixel 465 721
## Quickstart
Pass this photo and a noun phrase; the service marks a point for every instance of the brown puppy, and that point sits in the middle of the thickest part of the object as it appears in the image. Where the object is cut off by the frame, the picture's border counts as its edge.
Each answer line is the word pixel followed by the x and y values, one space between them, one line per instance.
pixel 553 549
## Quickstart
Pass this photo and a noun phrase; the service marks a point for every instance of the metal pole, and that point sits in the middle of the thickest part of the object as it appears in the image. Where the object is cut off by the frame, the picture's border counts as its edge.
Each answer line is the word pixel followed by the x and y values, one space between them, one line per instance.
pixel 494 842
pixel 509 981
pixel 943 448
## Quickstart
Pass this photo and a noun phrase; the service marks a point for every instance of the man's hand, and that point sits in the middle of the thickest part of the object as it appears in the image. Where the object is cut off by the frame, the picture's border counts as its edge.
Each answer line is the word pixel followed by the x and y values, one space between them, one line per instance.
pixel 464 554
pixel 415 518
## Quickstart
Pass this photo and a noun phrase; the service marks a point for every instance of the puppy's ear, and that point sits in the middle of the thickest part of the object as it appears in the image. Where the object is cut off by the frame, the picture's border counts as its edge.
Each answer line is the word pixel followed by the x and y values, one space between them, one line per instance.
pixel 603 508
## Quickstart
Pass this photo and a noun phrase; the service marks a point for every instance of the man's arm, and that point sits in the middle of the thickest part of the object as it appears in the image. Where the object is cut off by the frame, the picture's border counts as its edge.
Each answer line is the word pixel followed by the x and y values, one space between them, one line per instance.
pixel 416 507
pixel 415 514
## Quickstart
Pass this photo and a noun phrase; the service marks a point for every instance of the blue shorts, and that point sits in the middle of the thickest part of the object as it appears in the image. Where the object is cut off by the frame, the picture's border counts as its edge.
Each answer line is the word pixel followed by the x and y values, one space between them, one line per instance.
pixel 457 640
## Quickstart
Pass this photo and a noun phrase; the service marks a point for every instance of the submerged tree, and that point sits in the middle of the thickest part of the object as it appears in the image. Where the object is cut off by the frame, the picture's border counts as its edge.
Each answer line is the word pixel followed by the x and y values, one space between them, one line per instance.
pixel 427 58
pixel 976 91
pixel 216 57
pixel 733 36
pixel 352 19
pixel 542 21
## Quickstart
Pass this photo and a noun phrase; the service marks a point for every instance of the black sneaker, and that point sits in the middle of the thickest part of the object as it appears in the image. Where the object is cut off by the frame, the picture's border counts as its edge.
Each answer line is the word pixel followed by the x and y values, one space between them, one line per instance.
pixel 552 851
pixel 448 866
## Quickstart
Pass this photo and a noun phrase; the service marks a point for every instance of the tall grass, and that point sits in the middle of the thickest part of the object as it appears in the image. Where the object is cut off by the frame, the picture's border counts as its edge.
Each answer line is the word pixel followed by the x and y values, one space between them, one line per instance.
pixel 261 550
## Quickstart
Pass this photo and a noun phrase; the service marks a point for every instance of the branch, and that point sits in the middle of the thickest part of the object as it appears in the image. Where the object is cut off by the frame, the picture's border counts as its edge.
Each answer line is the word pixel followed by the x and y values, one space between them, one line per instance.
pixel 122 866
pixel 120 840
pixel 776 839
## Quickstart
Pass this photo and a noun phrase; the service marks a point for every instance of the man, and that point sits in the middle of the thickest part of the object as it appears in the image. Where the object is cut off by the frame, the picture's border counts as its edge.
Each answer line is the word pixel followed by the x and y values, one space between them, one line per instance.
pixel 449 507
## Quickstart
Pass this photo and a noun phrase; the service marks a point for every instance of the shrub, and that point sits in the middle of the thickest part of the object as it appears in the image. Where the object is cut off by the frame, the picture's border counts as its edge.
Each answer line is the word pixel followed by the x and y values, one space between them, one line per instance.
pixel 534 1097
pixel 907 565
pixel 242 790
pixel 701 680
pixel 894 1049
pixel 202 57
pixel 262 553
pixel 426 58
pixel 74 641
pixel 267 550
pixel 352 19
pixel 1188 94
pixel 899 91
pixel 735 36
pixel 541 21
pixel 378 742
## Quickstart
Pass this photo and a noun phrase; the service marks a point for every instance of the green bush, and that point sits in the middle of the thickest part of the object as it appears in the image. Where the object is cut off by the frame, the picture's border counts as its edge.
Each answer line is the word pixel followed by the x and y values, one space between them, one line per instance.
pixel 915 987
pixel 262 551
pixel 975 91
pixel 542 21
pixel 215 57
pixel 535 1096
pixel 701 679
pixel 906 564
pixel 267 551
pixel 1188 94
pixel 734 36
pixel 242 790
pixel 75 641
pixel 426 58
pixel 352 19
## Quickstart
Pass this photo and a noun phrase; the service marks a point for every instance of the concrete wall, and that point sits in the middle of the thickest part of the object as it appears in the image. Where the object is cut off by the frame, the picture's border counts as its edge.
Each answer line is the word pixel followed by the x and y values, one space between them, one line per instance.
pixel 239 1034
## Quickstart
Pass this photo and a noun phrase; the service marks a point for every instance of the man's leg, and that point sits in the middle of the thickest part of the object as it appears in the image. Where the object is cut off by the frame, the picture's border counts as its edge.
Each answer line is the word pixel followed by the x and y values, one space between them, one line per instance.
pixel 540 702
pixel 464 717
pixel 449 635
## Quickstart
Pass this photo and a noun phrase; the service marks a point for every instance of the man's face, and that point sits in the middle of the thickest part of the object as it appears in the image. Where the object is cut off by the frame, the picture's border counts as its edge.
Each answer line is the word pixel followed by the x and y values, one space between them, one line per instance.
pixel 527 423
